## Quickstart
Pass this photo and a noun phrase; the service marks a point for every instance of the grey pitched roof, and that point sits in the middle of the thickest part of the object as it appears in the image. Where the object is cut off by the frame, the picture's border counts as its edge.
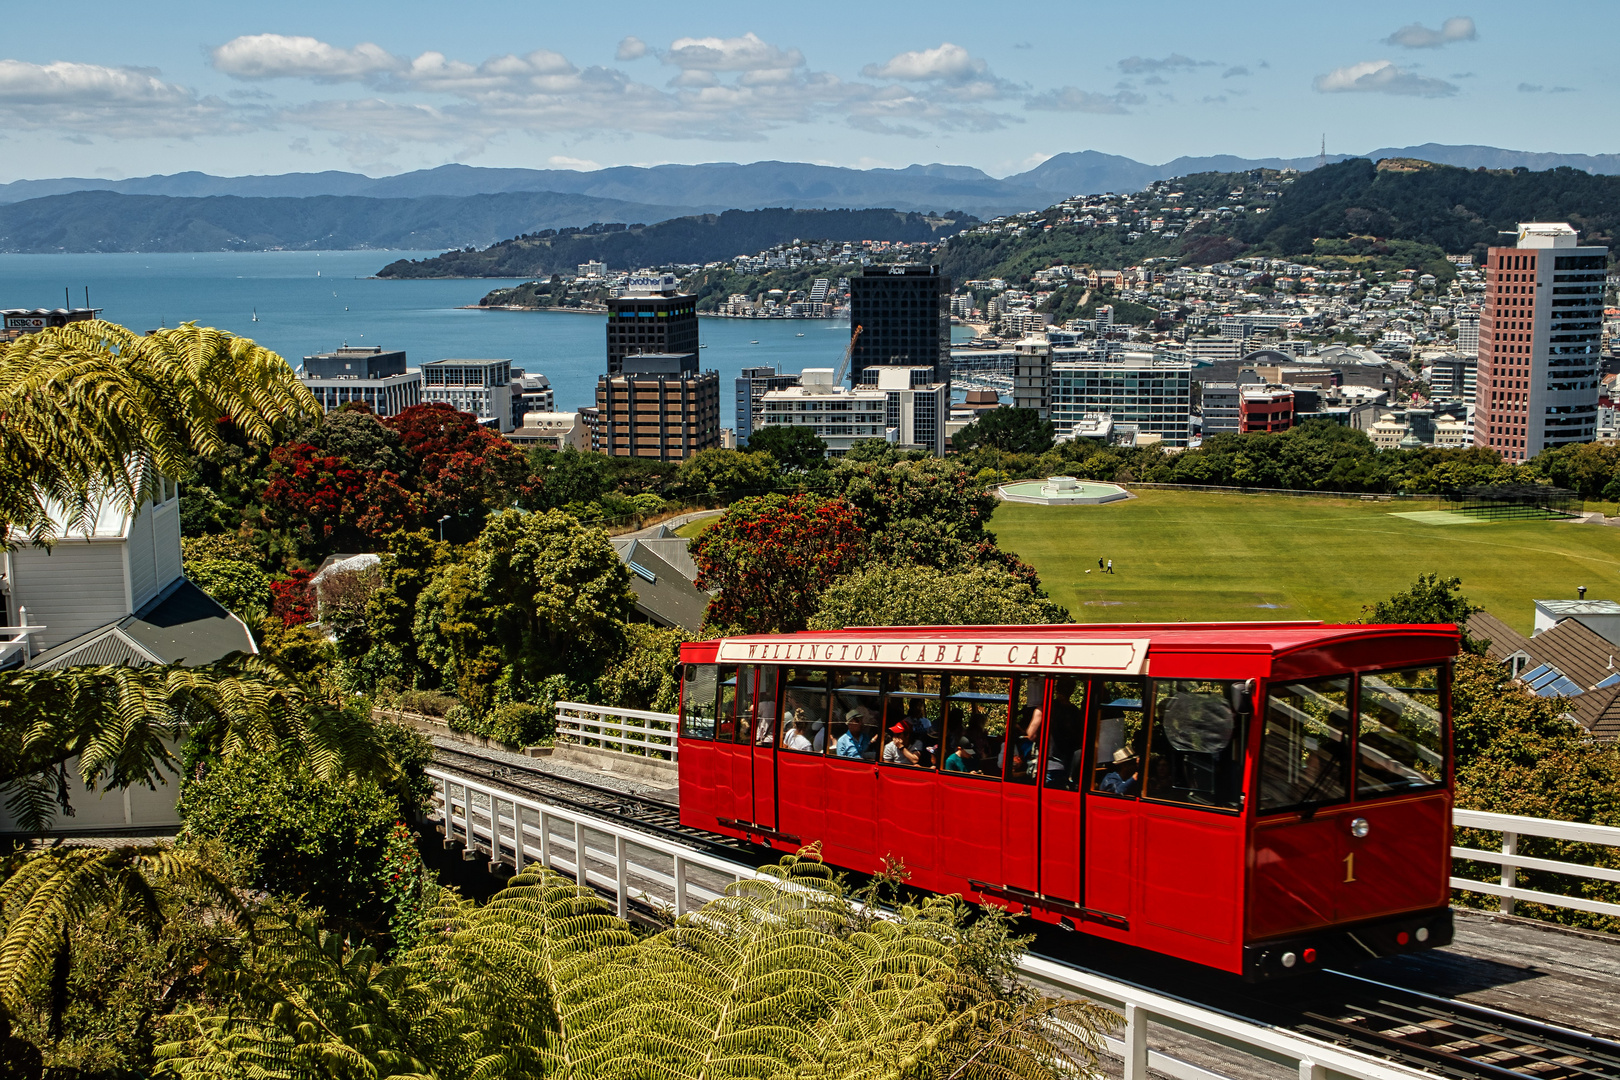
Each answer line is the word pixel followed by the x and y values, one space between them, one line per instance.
pixel 182 625
pixel 664 595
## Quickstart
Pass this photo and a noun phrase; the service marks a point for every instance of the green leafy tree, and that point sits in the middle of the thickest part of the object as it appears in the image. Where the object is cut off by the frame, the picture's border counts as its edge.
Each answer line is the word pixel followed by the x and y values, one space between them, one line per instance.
pixel 643 677
pixel 1018 431
pixel 1429 600
pixel 795 447
pixel 297 834
pixel 908 595
pixel 557 594
pixel 927 511
pixel 771 556
pixel 240 586
pixel 726 474
pixel 406 569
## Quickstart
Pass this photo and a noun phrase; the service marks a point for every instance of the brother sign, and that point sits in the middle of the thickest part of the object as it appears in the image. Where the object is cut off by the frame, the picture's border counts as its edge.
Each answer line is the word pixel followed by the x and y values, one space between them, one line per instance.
pixel 651 283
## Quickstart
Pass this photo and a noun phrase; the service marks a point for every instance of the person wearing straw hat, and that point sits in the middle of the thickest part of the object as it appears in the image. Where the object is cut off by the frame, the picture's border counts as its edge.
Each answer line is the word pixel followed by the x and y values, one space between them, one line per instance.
pixel 1121 777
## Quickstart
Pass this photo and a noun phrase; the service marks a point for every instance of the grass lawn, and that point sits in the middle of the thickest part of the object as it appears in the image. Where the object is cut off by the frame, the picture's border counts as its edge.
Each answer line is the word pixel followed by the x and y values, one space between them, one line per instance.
pixel 1204 556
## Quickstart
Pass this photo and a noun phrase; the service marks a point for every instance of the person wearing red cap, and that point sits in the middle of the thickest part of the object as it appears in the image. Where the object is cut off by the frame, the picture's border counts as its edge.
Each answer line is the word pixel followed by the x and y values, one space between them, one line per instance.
pixel 898 751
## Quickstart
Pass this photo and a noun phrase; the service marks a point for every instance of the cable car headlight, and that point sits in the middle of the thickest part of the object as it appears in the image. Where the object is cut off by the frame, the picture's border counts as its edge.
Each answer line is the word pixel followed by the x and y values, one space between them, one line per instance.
pixel 1359 828
pixel 1289 959
pixel 1422 933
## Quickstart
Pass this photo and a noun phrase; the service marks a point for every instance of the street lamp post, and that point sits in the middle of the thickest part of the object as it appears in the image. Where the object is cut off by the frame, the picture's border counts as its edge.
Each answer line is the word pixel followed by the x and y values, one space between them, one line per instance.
pixel 441 527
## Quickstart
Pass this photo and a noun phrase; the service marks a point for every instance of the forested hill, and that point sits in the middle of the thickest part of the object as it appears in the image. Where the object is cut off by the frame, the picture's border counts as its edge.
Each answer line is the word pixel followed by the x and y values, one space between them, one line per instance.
pixel 1396 214
pixel 1457 210
pixel 699 239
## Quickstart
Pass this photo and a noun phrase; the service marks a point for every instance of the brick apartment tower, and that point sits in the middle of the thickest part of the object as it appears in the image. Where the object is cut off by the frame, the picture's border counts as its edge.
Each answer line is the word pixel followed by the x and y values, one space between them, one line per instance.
pixel 1539 343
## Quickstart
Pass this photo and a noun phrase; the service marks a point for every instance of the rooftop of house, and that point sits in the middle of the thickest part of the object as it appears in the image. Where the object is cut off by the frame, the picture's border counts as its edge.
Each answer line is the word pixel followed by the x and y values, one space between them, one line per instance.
pixel 1582 656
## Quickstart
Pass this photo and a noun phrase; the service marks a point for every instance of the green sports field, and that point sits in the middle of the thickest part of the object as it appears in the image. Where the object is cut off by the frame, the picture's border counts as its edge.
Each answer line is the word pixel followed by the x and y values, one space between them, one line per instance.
pixel 1199 555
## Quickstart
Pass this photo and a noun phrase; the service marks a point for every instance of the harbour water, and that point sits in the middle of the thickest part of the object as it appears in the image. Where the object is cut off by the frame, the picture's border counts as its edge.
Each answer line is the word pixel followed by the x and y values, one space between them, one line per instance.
pixel 308 302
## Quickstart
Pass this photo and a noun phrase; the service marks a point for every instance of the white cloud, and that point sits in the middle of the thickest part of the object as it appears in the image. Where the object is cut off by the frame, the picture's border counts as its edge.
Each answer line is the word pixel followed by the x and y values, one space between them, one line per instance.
pixel 1234 71
pixel 726 88
pixel 277 56
pixel 1136 65
pixel 1418 36
pixel 631 48
pixel 945 62
pixel 1381 77
pixel 557 161
pixel 118 102
pixel 746 53
pixel 1073 99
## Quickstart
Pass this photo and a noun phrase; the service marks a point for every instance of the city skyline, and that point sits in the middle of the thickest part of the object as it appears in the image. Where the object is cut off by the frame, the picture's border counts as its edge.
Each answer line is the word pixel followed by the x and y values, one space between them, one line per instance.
pixel 183 86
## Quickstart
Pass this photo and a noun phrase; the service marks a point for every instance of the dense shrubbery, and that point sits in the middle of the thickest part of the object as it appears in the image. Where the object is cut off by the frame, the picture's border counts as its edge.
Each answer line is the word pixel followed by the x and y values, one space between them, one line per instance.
pixel 297 835
pixel 1319 455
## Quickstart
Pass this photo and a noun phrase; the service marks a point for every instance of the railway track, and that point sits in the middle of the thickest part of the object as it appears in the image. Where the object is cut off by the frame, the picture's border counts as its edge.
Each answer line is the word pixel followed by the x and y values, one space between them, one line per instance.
pixel 1453 1038
pixel 1440 1036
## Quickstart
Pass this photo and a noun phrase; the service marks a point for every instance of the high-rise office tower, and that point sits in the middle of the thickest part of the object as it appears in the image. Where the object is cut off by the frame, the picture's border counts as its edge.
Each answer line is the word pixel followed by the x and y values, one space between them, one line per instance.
pixel 659 406
pixel 652 316
pixel 1468 333
pixel 905 319
pixel 1539 343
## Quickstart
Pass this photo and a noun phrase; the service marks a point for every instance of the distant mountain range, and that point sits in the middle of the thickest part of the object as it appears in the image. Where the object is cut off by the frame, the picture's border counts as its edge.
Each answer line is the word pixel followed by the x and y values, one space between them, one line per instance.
pixel 458 205
pixel 108 221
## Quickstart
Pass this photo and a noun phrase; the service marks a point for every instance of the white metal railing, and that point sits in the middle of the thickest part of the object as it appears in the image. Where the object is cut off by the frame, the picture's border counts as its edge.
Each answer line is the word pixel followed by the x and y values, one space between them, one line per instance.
pixel 630 731
pixel 629 865
pixel 1512 827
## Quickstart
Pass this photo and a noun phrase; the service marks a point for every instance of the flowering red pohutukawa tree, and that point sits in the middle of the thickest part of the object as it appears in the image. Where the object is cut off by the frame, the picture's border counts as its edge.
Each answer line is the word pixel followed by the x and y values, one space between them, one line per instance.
pixel 771 556
pixel 462 468
pixel 330 504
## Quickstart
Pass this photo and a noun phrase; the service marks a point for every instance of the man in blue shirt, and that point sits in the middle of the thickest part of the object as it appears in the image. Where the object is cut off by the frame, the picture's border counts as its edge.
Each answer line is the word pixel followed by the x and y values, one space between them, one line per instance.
pixel 1121 777
pixel 853 743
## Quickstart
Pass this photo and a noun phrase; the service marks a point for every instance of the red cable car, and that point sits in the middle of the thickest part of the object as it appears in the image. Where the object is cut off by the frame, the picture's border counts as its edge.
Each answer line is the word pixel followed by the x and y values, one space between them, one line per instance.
pixel 1261 798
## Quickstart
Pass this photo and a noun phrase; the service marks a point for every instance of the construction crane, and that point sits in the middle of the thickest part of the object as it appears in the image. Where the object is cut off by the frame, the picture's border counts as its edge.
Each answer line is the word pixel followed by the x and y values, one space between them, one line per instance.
pixel 849 351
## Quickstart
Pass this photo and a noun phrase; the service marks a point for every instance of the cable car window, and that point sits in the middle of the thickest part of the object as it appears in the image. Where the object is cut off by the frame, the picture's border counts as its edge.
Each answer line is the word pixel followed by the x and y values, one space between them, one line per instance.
pixel 911 720
pixel 1197 752
pixel 1304 751
pixel 1401 740
pixel 1022 752
pixel 975 725
pixel 1118 731
pixel 743 724
pixel 1065 735
pixel 700 684
pixel 725 724
pixel 857 703
pixel 763 715
pixel 804 711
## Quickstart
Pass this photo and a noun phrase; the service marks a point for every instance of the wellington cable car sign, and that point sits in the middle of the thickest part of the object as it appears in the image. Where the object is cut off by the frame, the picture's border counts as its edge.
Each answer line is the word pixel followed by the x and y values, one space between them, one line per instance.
pixel 1113 656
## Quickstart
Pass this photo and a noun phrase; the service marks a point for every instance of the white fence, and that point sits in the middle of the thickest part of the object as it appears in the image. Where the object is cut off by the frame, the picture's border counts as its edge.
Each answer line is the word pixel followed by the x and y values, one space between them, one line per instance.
pixel 630 731
pixel 631 866
pixel 1512 827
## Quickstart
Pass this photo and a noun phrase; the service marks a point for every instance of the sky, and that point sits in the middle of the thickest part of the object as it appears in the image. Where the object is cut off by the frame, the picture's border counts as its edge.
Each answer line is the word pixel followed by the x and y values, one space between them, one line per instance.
pixel 162 86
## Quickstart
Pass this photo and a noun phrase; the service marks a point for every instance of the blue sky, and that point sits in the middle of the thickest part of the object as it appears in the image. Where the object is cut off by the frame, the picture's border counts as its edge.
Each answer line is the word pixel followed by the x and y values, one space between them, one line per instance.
pixel 122 89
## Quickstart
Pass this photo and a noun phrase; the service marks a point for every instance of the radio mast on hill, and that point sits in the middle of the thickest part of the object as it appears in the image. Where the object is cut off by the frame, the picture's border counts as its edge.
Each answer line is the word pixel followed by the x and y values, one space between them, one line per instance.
pixel 1321 157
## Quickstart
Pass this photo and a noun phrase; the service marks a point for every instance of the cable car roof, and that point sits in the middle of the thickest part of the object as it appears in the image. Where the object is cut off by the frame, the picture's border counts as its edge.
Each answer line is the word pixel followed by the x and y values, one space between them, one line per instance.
pixel 1122 648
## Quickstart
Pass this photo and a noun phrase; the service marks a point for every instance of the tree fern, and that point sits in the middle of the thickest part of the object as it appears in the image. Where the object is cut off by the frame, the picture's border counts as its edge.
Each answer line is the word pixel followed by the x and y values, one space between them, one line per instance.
pixel 44 891
pixel 782 976
pixel 95 412
pixel 121 723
